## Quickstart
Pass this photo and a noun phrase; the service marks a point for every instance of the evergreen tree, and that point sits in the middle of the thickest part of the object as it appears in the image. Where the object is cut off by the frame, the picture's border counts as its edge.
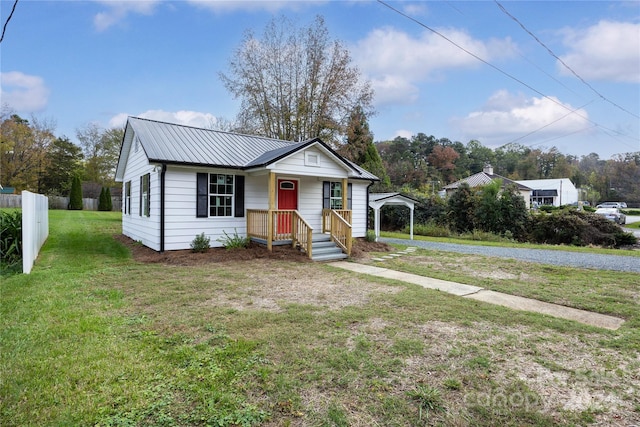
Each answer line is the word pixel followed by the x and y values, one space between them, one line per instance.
pixel 102 201
pixel 461 208
pixel 360 149
pixel 109 202
pixel 75 196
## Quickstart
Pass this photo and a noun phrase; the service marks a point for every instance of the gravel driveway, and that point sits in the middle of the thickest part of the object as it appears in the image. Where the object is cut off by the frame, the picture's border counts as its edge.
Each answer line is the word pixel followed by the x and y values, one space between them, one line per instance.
pixel 564 258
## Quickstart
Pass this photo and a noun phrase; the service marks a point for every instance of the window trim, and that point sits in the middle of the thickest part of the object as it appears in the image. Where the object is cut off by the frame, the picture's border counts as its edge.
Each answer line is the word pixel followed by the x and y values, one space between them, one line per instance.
pixel 127 198
pixel 308 155
pixel 326 195
pixel 203 195
pixel 145 196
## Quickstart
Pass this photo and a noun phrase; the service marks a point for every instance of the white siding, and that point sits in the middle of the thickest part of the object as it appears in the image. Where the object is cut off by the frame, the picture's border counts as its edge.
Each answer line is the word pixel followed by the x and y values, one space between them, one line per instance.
pixel 295 165
pixel 141 228
pixel 181 223
pixel 359 207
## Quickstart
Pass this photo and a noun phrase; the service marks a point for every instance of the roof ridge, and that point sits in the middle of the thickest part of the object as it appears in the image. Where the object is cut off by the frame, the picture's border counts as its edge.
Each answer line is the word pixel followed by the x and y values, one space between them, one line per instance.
pixel 216 131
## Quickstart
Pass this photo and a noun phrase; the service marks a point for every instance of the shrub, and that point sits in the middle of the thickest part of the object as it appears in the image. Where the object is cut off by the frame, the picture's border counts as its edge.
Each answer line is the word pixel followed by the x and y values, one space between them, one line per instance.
pixel 370 236
pixel 201 243
pixel 571 227
pixel 430 229
pixel 235 241
pixel 10 239
pixel 75 197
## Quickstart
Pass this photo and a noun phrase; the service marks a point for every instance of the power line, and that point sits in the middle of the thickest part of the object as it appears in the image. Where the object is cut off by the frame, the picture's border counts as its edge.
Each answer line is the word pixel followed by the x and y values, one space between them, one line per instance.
pixel 549 124
pixel 4 28
pixel 564 64
pixel 499 69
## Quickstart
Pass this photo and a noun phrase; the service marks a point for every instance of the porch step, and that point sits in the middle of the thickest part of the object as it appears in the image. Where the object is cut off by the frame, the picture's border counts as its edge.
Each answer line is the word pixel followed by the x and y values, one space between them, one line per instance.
pixel 323 249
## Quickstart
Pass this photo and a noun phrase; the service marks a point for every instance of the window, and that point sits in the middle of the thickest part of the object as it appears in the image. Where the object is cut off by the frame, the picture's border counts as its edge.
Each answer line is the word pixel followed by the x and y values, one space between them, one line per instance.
pixel 220 195
pixel 335 195
pixel 311 159
pixel 127 197
pixel 332 195
pixel 145 202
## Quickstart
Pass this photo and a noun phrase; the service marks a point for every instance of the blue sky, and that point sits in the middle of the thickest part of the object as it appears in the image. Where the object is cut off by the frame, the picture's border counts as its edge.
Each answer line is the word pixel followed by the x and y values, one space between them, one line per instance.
pixel 77 62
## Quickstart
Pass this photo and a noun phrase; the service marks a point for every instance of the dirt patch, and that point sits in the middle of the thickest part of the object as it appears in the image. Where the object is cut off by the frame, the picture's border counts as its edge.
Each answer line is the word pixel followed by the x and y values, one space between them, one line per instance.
pixel 141 253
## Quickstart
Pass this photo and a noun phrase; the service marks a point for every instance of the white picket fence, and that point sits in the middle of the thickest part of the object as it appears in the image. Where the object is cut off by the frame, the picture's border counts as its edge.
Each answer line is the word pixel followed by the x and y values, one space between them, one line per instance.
pixel 35 227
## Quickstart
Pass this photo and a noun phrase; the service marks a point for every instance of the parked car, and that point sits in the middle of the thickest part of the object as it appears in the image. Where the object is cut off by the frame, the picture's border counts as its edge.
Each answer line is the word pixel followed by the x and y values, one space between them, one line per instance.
pixel 612 214
pixel 619 205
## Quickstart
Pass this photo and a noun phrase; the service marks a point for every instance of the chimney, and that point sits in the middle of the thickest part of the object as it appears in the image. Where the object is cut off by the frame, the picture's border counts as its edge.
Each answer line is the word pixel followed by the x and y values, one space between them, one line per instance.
pixel 488 169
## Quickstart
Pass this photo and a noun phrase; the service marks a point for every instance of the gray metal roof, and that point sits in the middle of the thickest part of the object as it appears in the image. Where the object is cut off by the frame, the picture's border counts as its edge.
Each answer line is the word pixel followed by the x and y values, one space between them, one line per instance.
pixel 179 144
pixel 482 178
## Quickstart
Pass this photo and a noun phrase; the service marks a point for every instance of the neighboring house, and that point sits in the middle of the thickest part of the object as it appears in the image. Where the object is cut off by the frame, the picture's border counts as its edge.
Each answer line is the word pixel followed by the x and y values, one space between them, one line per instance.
pixel 180 181
pixel 555 192
pixel 486 177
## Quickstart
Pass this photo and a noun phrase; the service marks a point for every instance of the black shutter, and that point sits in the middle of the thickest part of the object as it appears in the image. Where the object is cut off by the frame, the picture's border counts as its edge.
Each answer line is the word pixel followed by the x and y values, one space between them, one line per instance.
pixel 202 203
pixel 326 194
pixel 349 192
pixel 239 197
pixel 141 184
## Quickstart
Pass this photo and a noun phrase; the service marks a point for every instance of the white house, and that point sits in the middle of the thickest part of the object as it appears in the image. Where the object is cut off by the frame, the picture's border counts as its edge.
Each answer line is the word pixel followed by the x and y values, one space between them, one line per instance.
pixel 180 181
pixel 487 176
pixel 555 192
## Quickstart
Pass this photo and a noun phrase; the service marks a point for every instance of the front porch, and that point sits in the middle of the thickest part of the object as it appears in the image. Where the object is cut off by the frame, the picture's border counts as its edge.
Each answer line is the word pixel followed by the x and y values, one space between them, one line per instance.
pixel 287 227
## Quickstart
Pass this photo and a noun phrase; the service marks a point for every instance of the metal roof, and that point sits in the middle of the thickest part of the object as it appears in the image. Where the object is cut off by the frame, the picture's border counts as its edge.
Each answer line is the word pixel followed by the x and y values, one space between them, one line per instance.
pixel 375 197
pixel 179 144
pixel 483 178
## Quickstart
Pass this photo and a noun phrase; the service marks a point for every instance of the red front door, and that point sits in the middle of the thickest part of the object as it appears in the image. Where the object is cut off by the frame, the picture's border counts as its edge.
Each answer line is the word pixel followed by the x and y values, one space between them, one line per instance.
pixel 287 199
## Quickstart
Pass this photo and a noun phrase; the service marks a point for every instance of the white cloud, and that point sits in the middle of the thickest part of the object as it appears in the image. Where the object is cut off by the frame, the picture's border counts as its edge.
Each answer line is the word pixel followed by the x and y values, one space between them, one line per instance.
pixel 218 6
pixel 506 115
pixel 117 10
pixel 403 133
pixel 188 118
pixel 23 92
pixel 394 59
pixel 605 51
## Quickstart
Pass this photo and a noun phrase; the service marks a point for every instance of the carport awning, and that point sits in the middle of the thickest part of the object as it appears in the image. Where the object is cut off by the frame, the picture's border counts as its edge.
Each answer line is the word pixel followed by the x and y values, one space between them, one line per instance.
pixel 378 200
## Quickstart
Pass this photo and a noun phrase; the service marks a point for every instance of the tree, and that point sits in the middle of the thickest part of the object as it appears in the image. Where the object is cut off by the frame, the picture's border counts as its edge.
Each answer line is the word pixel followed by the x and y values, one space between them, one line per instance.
pixel 23 150
pixel 75 196
pixel 487 213
pixel 360 149
pixel 443 160
pixel 64 161
pixel 101 148
pixel 296 83
pixel 460 209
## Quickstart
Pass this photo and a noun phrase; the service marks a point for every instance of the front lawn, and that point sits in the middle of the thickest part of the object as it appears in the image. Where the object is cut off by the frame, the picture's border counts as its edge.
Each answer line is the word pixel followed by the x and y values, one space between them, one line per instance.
pixel 92 337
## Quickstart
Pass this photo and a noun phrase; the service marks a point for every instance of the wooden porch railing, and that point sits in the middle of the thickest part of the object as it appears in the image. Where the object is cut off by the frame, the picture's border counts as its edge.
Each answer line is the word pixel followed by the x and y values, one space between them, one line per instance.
pixel 339 228
pixel 279 225
pixel 326 217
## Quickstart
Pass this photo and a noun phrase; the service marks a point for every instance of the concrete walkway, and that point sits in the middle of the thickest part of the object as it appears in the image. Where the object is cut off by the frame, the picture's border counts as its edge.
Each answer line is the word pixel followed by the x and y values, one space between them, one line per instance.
pixel 484 295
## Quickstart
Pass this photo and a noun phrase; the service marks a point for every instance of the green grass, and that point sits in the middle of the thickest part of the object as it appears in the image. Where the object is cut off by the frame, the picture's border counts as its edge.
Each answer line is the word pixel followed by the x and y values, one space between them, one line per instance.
pixel 508 244
pixel 92 337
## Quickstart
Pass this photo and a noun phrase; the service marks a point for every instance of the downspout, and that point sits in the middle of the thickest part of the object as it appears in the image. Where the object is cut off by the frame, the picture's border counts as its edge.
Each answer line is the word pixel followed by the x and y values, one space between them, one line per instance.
pixel 367 212
pixel 162 199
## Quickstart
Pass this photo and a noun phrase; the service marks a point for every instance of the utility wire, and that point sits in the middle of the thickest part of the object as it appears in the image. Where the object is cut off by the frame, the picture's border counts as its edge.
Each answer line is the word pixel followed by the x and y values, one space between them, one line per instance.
pixel 548 124
pixel 4 28
pixel 498 69
pixel 564 64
